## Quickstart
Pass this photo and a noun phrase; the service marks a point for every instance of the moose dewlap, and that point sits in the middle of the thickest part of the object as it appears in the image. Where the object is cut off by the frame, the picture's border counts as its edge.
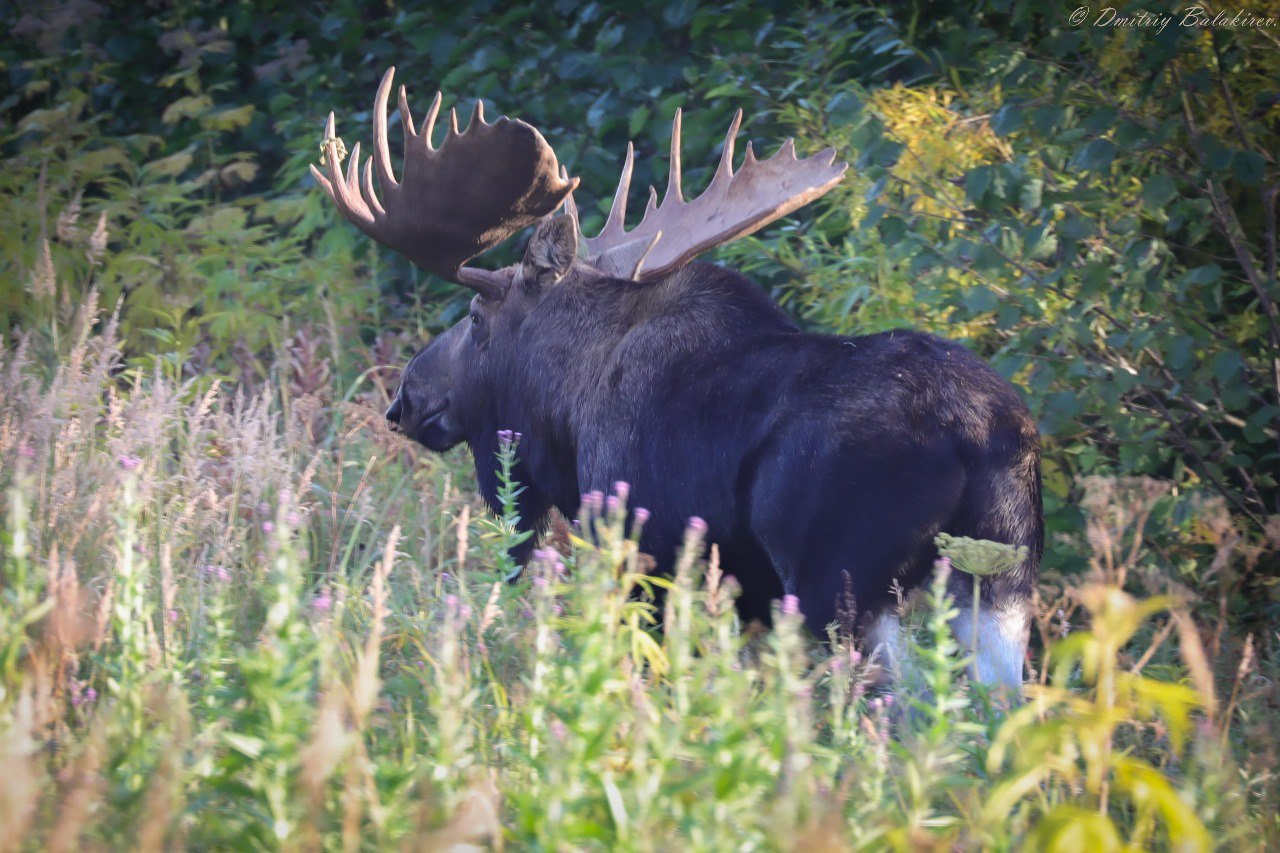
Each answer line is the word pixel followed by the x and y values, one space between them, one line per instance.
pixel 820 464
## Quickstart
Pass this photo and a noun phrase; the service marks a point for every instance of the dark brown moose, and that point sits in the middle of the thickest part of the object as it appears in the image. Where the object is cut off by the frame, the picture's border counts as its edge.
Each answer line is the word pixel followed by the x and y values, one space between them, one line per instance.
pixel 820 464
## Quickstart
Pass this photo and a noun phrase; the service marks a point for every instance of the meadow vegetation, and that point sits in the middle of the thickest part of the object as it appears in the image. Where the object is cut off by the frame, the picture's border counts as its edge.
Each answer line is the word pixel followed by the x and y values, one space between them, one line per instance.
pixel 235 611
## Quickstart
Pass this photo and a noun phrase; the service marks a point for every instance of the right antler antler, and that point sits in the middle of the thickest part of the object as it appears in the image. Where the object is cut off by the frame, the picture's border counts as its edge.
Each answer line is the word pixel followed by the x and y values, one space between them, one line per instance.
pixel 454 202
pixel 734 205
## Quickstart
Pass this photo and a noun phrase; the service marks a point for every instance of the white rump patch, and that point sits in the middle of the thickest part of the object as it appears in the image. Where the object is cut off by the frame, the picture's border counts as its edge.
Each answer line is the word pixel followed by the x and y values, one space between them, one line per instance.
pixel 1002 641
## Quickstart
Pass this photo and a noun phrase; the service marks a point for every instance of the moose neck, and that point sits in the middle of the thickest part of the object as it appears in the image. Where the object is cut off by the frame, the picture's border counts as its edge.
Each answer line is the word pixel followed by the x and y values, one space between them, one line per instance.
pixel 566 372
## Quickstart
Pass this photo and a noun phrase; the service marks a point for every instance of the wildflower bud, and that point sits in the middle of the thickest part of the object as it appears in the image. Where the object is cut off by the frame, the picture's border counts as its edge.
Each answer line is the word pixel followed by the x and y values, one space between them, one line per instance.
pixel 26 451
pixel 697 525
pixel 641 514
pixel 622 489
pixel 855 657
pixel 446 577
pixel 527 613
pixel 264 508
pixel 482 648
pixel 223 574
pixel 465 611
pixel 293 519
pixel 875 704
pixel 173 616
pixel 540 582
pixel 611 504
pixel 888 700
pixel 559 567
pixel 837 664
pixel 451 601
pixel 516 436
pixel 129 463
pixel 323 601
pixel 90 695
pixel 558 730
pixel 557 610
pixel 268 526
pixel 790 605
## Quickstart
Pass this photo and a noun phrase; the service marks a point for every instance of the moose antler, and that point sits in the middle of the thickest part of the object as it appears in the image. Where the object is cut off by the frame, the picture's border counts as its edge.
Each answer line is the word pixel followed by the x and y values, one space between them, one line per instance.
pixel 735 204
pixel 454 202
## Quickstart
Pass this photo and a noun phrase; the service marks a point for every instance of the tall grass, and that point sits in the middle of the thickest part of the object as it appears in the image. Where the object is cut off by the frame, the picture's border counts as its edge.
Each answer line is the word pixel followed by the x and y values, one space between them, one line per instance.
pixel 257 620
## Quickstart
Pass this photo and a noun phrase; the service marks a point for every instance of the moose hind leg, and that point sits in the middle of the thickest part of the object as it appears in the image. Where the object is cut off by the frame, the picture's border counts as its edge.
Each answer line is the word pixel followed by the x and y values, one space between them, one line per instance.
pixel 1003 629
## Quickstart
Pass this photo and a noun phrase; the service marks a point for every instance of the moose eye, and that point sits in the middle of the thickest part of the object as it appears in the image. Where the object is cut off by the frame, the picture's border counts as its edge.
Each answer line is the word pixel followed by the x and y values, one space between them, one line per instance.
pixel 475 319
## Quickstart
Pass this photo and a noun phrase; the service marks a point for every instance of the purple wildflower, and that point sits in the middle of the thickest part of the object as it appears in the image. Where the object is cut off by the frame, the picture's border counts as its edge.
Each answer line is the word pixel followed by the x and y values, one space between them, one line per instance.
pixel 26 451
pixel 642 515
pixel 697 526
pixel 790 605
pixel 540 582
pixel 268 526
pixel 622 489
pixel 223 574
pixel 173 616
pixel 129 463
pixel 558 730
pixel 323 601
pixel 612 503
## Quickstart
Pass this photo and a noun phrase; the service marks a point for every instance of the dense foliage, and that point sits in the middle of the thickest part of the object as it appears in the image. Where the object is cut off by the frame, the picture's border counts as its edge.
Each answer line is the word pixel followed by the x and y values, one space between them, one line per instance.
pixel 1092 208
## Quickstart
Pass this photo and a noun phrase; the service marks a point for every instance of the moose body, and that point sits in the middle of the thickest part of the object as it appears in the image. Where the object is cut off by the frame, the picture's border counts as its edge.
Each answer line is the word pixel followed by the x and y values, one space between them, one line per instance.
pixel 820 464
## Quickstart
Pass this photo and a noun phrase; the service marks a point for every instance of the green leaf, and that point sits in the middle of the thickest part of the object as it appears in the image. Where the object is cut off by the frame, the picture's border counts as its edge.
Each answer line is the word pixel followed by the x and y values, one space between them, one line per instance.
pixel 1158 191
pixel 1096 156
pixel 892 230
pixel 1249 168
pixel 1006 120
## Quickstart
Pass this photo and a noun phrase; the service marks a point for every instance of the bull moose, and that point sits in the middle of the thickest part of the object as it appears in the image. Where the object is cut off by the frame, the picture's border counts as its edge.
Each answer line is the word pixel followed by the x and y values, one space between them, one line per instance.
pixel 817 462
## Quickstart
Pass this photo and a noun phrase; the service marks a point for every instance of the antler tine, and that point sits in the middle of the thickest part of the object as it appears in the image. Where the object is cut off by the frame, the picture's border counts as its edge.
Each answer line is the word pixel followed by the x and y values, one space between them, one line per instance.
pixel 725 167
pixel 673 174
pixel 429 123
pixel 570 206
pixel 613 226
pixel 370 196
pixel 381 151
pixel 477 114
pixel 453 124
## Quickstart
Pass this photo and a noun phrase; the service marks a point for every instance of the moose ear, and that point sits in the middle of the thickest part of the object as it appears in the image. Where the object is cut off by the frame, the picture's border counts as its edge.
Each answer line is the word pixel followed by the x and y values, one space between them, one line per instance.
pixel 550 252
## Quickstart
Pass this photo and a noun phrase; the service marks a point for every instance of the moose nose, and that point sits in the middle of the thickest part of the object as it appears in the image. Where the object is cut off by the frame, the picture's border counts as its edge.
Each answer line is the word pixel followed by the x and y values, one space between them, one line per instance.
pixel 393 415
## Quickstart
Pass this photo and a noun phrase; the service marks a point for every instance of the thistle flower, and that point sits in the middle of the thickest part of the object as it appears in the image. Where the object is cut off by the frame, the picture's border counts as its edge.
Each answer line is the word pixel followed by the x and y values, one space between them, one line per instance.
pixel 323 601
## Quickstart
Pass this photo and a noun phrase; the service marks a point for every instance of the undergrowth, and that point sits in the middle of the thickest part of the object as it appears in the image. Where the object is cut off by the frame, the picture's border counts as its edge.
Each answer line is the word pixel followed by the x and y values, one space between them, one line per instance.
pixel 234 619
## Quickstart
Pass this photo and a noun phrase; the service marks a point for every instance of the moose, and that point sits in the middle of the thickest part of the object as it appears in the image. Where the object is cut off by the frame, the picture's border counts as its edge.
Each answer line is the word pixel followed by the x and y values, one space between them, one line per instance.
pixel 820 464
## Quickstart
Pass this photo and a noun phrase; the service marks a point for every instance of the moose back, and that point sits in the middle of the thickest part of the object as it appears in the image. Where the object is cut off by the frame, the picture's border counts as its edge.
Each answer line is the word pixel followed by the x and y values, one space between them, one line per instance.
pixel 820 464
